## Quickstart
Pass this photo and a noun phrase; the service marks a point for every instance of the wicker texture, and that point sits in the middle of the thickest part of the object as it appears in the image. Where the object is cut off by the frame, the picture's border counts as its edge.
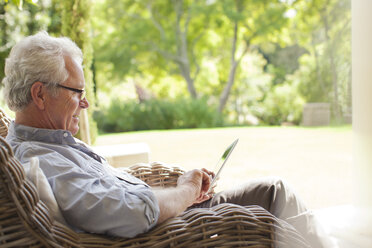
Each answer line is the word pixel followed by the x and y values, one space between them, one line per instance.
pixel 25 220
pixel 155 174
pixel 4 123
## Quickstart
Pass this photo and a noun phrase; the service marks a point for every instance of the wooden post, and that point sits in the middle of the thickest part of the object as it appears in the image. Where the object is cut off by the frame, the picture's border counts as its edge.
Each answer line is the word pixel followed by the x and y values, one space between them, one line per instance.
pixel 84 127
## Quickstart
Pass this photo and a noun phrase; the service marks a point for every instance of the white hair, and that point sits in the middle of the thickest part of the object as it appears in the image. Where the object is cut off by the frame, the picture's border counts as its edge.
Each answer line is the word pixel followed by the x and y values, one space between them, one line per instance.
pixel 39 57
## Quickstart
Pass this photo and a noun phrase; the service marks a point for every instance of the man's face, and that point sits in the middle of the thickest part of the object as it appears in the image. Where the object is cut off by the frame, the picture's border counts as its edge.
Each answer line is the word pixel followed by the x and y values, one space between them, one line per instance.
pixel 63 111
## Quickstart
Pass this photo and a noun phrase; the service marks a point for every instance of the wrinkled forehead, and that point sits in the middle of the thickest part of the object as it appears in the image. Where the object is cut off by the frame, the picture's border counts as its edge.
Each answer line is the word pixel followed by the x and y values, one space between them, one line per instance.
pixel 75 70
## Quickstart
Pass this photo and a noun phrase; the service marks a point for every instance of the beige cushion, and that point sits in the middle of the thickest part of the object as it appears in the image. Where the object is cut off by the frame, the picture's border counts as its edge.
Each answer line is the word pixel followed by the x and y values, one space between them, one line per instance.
pixel 37 177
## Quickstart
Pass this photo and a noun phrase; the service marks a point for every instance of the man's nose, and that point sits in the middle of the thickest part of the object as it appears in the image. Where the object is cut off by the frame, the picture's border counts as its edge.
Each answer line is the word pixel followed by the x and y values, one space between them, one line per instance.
pixel 84 103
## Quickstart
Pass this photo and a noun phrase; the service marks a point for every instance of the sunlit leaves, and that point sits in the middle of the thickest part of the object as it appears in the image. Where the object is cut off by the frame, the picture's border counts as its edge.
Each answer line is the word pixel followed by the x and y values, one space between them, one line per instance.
pixel 19 3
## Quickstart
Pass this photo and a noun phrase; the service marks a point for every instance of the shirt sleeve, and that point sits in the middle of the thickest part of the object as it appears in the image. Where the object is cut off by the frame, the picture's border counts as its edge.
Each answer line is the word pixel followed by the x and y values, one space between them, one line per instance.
pixel 96 201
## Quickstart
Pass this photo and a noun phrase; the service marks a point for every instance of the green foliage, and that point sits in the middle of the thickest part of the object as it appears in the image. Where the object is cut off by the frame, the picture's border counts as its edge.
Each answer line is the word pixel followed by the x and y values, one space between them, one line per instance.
pixel 160 45
pixel 282 104
pixel 183 40
pixel 19 3
pixel 314 87
pixel 18 22
pixel 324 29
pixel 281 61
pixel 123 116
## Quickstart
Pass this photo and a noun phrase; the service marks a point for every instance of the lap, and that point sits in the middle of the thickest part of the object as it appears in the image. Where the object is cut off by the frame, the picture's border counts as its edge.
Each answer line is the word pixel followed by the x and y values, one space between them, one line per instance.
pixel 274 195
pixel 270 193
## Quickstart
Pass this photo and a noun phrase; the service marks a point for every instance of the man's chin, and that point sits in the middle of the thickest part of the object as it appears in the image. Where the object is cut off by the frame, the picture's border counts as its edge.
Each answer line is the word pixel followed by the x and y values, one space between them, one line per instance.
pixel 74 131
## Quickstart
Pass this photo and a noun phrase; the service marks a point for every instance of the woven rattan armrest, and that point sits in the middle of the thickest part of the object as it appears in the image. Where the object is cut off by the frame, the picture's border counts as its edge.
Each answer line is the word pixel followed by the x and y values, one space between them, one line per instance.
pixel 156 174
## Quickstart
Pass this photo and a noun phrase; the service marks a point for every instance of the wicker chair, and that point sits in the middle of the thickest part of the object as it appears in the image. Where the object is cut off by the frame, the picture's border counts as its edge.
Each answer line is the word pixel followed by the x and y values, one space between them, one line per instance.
pixel 4 123
pixel 25 220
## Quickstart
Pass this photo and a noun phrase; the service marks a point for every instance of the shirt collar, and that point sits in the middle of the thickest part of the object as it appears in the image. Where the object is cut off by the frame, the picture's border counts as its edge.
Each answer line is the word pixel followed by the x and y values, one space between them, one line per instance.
pixel 27 133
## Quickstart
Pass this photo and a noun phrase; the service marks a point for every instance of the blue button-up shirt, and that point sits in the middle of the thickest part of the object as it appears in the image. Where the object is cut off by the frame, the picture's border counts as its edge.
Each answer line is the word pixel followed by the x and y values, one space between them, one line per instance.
pixel 92 196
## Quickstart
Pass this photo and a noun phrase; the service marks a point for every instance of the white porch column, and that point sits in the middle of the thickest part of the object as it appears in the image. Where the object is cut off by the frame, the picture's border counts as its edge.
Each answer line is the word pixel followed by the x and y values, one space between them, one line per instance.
pixel 362 117
pixel 362 99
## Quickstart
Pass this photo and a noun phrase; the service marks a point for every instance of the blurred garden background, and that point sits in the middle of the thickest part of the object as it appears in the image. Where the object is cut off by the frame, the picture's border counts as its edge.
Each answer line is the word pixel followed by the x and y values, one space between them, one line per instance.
pixel 208 71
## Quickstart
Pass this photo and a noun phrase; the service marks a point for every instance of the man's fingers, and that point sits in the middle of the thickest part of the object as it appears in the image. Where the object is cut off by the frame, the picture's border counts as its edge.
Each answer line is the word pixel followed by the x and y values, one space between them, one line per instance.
pixel 210 173
pixel 201 180
pixel 203 198
pixel 205 183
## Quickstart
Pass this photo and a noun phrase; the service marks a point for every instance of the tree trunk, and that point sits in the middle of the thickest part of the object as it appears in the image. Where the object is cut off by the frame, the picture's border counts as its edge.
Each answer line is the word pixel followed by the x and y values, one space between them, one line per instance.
pixel 182 48
pixel 4 36
pixel 317 67
pixel 226 91
pixel 233 66
pixel 185 72
pixel 334 75
pixel 335 85
pixel 349 92
pixel 31 25
pixel 4 50
pixel 181 57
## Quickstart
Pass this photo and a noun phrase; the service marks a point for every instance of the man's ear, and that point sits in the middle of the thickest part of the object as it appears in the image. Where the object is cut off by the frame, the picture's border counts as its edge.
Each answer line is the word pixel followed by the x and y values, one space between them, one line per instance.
pixel 38 92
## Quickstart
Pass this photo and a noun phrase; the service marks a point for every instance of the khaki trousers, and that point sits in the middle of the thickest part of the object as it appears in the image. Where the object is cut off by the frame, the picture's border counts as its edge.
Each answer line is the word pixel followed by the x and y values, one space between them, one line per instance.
pixel 275 196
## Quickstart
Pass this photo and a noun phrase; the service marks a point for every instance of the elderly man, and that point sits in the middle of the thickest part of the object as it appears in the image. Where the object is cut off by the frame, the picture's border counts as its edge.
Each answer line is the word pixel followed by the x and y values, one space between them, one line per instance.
pixel 44 85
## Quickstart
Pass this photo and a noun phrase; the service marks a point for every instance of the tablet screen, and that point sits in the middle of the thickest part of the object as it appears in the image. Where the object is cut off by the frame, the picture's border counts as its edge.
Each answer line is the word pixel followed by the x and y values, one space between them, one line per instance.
pixel 221 163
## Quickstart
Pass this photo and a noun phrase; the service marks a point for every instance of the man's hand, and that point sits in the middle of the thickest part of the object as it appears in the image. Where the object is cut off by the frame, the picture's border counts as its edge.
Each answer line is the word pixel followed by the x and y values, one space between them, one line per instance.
pixel 211 175
pixel 199 181
pixel 192 188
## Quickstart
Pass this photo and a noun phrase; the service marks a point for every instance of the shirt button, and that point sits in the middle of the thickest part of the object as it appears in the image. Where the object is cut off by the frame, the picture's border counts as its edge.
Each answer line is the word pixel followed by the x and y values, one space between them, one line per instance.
pixel 65 135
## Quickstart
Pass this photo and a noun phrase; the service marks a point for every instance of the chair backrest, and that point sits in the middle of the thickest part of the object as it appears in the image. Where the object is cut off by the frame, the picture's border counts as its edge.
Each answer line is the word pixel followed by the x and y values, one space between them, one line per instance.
pixel 22 212
pixel 4 123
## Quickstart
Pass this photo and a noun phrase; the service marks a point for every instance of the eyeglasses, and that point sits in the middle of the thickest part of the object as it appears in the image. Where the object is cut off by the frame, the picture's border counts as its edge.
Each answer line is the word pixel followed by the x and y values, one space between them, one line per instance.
pixel 82 93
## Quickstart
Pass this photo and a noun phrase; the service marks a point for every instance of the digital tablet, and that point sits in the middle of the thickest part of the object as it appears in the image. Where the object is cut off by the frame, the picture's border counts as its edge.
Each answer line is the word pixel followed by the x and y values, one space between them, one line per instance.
pixel 221 163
